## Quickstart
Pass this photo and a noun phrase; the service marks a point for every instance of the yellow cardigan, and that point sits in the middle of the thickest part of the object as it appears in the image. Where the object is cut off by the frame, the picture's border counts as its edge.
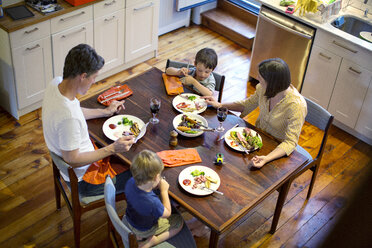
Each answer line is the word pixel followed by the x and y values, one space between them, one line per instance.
pixel 284 121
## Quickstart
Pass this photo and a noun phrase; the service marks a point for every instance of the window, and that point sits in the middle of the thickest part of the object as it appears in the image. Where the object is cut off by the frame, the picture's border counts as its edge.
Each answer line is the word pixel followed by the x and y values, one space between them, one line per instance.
pixel 250 5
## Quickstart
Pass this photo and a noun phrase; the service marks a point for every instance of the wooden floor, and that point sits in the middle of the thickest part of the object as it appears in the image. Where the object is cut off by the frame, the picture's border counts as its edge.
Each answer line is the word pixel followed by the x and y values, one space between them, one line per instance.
pixel 28 213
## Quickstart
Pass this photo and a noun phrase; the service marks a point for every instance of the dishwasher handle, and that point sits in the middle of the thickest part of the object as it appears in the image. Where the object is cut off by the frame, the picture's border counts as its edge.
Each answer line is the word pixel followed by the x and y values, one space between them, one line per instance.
pixel 285 27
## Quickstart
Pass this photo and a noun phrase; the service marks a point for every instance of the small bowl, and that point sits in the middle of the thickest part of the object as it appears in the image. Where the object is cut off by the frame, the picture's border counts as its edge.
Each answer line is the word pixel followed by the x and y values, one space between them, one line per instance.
pixel 178 119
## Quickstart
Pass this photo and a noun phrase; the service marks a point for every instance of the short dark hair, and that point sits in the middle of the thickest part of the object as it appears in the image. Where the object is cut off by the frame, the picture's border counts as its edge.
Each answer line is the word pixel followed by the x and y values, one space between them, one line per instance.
pixel 82 59
pixel 276 73
pixel 208 57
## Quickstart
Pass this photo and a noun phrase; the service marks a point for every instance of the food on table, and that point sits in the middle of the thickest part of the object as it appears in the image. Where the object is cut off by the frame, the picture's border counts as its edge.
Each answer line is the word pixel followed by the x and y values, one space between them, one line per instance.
pixel 112 126
pixel 187 124
pixel 197 173
pixel 126 133
pixel 247 140
pixel 200 177
pixel 190 107
pixel 212 180
pixel 186 182
pixel 126 122
pixel 135 129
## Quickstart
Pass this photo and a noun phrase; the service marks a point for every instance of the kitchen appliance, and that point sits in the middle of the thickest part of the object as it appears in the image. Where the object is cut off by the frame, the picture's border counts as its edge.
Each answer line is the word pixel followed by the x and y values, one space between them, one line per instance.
pixel 44 6
pixel 278 36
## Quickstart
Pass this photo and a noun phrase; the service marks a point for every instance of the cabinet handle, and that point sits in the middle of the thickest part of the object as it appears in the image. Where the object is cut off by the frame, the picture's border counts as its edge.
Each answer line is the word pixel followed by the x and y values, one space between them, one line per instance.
pixel 325 56
pixel 143 7
pixel 110 19
pixel 69 17
pixel 354 70
pixel 31 31
pixel 32 48
pixel 108 4
pixel 344 47
pixel 78 31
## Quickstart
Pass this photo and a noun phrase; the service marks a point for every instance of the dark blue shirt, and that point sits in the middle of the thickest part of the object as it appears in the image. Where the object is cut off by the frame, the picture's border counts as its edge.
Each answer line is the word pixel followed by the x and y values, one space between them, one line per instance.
pixel 143 208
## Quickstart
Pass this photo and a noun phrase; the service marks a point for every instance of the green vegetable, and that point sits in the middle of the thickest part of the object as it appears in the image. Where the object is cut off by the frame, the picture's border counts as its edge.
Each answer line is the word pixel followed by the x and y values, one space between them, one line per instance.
pixel 286 3
pixel 119 122
pixel 196 173
pixel 127 122
pixel 192 132
pixel 254 141
pixel 192 98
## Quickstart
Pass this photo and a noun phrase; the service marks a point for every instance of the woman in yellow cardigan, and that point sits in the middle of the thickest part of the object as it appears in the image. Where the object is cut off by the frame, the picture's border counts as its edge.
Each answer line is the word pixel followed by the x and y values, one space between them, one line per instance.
pixel 282 108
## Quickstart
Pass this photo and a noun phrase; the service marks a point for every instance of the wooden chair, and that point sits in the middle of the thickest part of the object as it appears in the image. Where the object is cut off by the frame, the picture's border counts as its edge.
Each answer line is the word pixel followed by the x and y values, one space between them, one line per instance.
pixel 220 79
pixel 322 119
pixel 183 239
pixel 78 204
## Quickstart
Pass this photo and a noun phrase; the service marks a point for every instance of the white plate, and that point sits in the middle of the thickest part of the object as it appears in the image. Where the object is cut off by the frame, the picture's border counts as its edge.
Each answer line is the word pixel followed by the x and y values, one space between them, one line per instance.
pixel 186 174
pixel 178 119
pixel 230 142
pixel 114 134
pixel 182 98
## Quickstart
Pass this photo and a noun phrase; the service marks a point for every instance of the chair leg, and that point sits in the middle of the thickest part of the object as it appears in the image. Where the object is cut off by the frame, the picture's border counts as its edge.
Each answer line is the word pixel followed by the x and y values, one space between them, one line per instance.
pixel 77 220
pixel 283 192
pixel 312 182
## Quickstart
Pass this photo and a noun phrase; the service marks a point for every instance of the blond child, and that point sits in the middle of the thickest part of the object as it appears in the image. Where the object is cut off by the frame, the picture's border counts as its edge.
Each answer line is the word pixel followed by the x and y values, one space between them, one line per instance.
pixel 200 77
pixel 149 217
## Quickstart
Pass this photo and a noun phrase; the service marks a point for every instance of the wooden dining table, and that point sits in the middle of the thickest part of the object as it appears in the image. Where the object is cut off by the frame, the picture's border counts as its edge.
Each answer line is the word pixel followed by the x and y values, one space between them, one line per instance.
pixel 243 186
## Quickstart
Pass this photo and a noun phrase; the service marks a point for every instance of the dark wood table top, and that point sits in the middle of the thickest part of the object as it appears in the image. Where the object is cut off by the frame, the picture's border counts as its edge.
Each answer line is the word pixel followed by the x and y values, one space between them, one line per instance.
pixel 243 186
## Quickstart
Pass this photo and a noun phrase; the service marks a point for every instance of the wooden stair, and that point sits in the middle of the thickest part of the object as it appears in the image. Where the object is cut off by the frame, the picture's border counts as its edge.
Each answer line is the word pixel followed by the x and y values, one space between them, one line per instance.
pixel 232 22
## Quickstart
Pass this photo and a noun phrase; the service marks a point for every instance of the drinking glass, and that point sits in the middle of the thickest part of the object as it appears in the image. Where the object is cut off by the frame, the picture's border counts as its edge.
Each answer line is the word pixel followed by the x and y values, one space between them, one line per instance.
pixel 155 107
pixel 221 116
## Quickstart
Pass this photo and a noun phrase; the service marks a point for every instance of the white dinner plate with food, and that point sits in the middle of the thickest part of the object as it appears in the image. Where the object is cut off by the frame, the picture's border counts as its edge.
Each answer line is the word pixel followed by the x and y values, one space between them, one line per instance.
pixel 193 184
pixel 115 126
pixel 189 103
pixel 179 120
pixel 230 141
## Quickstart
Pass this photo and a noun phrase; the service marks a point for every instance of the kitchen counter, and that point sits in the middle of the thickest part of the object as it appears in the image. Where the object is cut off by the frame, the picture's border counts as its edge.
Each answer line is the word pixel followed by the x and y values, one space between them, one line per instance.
pixel 274 4
pixel 10 25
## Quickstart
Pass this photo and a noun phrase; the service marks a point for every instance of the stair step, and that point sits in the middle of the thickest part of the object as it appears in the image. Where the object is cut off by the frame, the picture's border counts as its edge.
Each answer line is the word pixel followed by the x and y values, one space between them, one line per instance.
pixel 231 27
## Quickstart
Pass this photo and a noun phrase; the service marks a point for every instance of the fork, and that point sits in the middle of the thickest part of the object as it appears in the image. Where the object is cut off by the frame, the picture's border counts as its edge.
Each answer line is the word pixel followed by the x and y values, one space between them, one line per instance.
pixel 215 191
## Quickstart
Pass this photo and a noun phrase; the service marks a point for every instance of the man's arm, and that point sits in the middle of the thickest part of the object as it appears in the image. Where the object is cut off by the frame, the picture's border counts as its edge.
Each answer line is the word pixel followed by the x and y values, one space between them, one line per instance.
pixel 114 107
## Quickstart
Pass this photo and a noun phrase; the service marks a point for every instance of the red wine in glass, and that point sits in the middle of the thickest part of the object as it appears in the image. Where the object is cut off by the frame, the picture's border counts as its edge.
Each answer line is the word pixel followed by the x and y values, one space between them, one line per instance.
pixel 221 116
pixel 154 107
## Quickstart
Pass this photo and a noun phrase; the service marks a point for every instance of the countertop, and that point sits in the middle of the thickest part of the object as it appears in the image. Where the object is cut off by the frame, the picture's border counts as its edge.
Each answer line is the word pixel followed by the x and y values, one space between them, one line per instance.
pixel 10 25
pixel 274 4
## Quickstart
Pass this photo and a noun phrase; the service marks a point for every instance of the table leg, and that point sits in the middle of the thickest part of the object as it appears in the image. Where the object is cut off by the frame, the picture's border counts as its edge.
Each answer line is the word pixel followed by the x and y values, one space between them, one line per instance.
pixel 283 192
pixel 213 239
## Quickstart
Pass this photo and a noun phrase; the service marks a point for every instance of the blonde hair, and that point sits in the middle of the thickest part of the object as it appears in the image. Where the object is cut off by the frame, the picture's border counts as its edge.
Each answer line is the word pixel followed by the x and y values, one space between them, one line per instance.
pixel 146 166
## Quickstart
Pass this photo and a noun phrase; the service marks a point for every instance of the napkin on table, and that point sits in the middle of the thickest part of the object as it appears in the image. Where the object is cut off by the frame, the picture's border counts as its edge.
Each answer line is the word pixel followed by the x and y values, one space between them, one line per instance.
pixel 124 88
pixel 173 158
pixel 173 84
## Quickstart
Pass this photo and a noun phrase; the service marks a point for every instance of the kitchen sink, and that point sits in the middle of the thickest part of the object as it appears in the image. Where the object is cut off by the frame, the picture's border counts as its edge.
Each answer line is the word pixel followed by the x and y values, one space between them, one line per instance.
pixel 352 25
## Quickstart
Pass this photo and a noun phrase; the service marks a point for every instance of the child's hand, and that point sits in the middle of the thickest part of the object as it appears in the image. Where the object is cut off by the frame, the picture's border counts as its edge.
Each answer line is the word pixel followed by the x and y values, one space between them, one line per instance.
pixel 183 71
pixel 188 80
pixel 163 185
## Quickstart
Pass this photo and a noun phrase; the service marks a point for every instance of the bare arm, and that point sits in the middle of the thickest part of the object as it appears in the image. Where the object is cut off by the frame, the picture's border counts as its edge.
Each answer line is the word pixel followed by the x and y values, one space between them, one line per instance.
pixel 172 71
pixel 259 161
pixel 230 105
pixel 189 80
pixel 75 158
pixel 164 187
pixel 114 107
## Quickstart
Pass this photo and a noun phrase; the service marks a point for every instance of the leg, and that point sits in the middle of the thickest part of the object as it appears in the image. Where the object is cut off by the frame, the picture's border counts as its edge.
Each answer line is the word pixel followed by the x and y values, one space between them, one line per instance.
pixel 76 217
pixel 56 188
pixel 279 205
pixel 213 240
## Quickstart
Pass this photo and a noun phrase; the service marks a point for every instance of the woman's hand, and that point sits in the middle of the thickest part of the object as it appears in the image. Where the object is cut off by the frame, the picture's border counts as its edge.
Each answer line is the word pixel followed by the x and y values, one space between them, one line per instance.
pixel 211 101
pixel 259 161
pixel 115 107
pixel 123 144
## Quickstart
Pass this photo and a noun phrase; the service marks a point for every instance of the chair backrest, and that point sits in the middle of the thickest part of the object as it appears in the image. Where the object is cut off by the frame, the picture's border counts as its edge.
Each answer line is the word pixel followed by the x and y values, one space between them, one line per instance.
pixel 220 79
pixel 319 117
pixel 126 234
pixel 60 163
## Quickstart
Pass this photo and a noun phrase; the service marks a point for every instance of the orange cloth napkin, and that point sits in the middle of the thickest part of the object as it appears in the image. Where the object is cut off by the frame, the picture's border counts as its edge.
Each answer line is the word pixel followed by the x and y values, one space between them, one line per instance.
pixel 124 88
pixel 97 171
pixel 173 158
pixel 173 84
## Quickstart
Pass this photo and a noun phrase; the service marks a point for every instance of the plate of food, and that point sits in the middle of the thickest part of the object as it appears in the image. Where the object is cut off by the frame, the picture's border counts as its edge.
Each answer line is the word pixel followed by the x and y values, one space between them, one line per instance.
pixel 189 103
pixel 243 139
pixel 122 125
pixel 199 179
pixel 190 125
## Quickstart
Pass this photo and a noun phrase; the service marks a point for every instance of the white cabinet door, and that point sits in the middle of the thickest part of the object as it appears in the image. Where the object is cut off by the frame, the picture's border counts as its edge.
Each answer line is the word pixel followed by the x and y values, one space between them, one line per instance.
pixel 349 92
pixel 141 35
pixel 364 124
pixel 109 39
pixel 33 71
pixel 320 76
pixel 65 40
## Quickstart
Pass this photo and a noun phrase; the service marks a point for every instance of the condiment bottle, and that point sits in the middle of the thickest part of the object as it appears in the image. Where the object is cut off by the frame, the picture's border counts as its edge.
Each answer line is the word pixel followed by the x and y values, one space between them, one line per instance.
pixel 173 138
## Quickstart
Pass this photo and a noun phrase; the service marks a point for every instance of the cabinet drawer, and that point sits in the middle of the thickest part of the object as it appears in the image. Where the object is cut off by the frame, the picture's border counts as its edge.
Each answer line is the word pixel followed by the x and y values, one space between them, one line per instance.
pixel 343 48
pixel 30 34
pixel 71 19
pixel 107 7
pixel 146 3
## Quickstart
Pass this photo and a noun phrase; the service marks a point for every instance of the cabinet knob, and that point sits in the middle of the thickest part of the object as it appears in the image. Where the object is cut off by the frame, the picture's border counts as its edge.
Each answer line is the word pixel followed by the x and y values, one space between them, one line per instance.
pixel 108 4
pixel 31 31
pixel 32 48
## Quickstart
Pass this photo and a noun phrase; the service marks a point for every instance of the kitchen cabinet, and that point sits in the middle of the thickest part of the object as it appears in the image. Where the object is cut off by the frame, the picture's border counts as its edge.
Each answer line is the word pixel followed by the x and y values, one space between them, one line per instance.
pixel 141 28
pixel 338 78
pixel 364 123
pixel 109 33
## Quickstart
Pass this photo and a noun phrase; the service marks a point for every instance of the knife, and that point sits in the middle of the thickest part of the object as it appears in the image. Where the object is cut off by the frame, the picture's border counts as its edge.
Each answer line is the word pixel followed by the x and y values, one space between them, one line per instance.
pixel 184 129
pixel 143 129
pixel 223 136
pixel 108 99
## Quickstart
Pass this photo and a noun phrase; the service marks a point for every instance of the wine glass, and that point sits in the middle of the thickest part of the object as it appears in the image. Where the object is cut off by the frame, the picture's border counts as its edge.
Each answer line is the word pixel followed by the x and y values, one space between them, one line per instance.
pixel 155 107
pixel 221 116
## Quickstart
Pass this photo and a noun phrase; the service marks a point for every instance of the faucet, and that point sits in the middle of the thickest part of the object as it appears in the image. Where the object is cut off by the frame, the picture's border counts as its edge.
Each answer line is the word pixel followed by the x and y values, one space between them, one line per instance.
pixel 366 10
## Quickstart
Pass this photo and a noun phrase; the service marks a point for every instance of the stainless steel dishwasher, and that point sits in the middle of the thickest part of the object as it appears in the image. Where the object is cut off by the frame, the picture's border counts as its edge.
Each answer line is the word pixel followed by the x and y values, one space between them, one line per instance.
pixel 278 36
